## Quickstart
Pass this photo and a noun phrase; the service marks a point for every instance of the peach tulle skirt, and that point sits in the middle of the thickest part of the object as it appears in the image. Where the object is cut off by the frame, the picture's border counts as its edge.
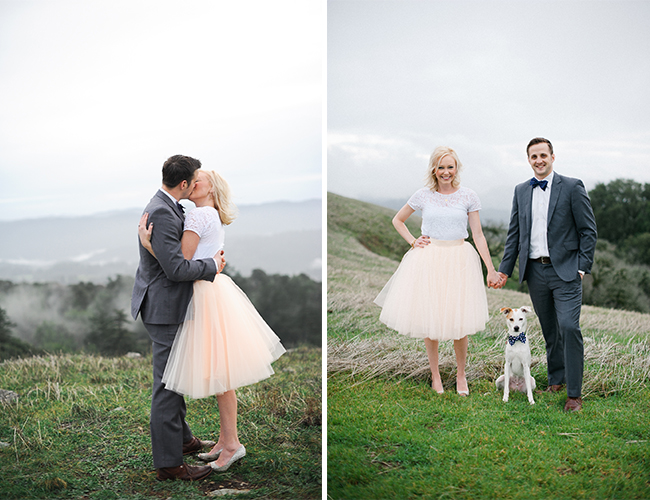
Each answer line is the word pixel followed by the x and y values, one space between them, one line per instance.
pixel 223 344
pixel 437 292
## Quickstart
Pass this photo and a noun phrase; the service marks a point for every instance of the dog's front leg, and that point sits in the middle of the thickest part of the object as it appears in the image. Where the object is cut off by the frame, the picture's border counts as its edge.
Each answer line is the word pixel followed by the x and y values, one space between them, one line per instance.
pixel 506 382
pixel 529 385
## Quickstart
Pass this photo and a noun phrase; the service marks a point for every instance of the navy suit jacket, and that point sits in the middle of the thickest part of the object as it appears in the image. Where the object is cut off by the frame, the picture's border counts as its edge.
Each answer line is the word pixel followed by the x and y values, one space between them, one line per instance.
pixel 163 284
pixel 571 229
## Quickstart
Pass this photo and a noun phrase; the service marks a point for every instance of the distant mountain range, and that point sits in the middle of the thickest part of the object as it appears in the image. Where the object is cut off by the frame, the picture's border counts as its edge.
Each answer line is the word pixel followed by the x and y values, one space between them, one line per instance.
pixel 279 238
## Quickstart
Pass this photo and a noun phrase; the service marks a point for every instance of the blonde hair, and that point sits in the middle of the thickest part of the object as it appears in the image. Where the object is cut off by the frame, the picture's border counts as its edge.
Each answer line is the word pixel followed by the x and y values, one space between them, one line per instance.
pixel 222 197
pixel 431 181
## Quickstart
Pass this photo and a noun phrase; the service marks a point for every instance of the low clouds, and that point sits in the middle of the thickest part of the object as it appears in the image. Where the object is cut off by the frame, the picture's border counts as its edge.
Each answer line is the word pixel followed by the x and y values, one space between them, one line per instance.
pixel 485 78
pixel 96 95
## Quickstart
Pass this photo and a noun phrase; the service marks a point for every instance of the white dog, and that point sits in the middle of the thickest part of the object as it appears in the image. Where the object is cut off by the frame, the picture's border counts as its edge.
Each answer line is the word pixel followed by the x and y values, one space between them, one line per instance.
pixel 517 355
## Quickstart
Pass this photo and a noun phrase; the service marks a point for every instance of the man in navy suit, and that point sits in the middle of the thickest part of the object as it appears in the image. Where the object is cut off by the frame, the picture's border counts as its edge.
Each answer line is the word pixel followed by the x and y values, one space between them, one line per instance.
pixel 161 294
pixel 553 232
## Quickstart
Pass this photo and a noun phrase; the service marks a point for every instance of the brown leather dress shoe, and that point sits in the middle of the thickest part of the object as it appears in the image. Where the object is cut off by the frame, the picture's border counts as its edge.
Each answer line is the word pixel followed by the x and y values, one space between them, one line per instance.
pixel 184 472
pixel 552 388
pixel 573 404
pixel 192 446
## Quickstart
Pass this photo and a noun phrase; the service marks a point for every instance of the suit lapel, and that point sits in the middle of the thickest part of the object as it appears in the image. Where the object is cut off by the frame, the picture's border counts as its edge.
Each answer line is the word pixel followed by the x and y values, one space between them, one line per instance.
pixel 528 206
pixel 171 204
pixel 556 188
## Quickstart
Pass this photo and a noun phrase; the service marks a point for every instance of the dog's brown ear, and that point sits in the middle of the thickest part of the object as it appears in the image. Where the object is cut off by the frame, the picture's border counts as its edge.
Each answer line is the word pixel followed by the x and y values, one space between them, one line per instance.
pixel 506 310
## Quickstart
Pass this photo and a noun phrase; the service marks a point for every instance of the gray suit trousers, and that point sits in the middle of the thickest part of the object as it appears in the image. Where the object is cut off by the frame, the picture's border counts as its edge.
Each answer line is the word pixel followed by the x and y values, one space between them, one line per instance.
pixel 557 304
pixel 167 421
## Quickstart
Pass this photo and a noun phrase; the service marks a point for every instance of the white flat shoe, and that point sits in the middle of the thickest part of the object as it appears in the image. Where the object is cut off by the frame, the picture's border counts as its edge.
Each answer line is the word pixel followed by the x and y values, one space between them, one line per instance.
pixel 240 453
pixel 209 457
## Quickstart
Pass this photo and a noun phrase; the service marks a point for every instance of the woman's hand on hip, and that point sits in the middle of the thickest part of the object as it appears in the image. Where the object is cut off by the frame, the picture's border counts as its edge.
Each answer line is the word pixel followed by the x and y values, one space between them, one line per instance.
pixel 421 242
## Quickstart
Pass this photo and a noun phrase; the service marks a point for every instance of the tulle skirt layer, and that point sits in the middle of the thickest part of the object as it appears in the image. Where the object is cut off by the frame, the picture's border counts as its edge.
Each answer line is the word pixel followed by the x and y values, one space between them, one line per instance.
pixel 223 344
pixel 437 292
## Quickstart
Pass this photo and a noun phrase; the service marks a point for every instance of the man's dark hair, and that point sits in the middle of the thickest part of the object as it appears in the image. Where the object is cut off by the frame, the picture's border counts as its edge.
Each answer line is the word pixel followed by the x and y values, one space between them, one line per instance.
pixel 539 140
pixel 179 168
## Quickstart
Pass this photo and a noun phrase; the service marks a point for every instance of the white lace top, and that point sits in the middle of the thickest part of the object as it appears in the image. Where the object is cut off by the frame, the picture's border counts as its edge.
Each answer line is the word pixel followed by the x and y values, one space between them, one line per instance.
pixel 205 222
pixel 444 216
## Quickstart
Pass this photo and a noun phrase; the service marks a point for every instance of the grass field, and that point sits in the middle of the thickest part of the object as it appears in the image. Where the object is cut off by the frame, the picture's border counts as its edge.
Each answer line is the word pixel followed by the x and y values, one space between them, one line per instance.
pixel 390 436
pixel 80 429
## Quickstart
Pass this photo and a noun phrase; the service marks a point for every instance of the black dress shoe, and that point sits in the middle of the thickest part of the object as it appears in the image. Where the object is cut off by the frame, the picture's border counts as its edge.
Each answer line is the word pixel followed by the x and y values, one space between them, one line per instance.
pixel 184 472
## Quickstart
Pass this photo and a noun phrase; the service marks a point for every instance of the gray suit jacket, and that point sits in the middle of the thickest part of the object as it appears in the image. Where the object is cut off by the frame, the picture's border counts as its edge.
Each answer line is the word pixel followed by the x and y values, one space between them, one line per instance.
pixel 571 229
pixel 163 284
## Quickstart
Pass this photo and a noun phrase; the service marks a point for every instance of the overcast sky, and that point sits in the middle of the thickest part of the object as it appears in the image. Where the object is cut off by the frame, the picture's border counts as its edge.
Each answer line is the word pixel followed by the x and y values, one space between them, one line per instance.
pixel 95 95
pixel 484 77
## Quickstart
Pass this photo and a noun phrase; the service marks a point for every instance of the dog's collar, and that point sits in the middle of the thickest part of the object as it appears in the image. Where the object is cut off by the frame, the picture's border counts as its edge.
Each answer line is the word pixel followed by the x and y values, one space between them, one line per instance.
pixel 521 338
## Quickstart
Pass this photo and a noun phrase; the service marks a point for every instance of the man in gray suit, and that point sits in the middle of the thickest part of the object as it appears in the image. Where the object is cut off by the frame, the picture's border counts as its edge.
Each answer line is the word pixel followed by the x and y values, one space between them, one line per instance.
pixel 161 294
pixel 553 232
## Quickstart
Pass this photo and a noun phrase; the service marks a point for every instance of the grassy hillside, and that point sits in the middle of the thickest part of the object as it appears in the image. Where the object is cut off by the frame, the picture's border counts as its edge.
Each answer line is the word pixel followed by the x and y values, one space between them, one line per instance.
pixel 370 224
pixel 389 436
pixel 80 429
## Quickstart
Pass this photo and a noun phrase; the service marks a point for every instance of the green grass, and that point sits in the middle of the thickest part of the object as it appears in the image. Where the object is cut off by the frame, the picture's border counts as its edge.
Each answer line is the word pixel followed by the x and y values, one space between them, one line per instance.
pixel 371 225
pixel 80 429
pixel 390 436
pixel 396 439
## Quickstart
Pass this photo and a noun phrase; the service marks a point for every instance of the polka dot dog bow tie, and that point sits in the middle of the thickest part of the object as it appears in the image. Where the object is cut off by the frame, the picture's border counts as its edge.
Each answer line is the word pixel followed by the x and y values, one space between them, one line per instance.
pixel 521 338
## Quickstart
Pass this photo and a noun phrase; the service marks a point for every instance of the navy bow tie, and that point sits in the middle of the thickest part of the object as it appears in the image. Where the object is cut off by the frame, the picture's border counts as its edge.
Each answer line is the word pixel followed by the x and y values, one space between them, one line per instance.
pixel 180 207
pixel 521 338
pixel 534 182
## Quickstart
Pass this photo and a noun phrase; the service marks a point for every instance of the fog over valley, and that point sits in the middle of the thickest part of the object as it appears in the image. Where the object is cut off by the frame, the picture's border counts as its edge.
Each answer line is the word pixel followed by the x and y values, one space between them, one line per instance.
pixel 277 237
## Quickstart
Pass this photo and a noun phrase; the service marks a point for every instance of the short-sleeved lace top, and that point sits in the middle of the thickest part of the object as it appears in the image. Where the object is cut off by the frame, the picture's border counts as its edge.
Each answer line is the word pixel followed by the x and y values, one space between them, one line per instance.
pixel 205 222
pixel 444 216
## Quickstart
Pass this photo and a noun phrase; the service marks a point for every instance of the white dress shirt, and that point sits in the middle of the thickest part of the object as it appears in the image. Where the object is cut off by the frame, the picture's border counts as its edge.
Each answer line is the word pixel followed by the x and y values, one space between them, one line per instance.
pixel 539 227
pixel 169 195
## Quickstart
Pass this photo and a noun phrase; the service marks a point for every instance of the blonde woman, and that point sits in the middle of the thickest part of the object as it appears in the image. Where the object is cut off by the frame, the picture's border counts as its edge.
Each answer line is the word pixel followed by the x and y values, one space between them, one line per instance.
pixel 437 292
pixel 223 342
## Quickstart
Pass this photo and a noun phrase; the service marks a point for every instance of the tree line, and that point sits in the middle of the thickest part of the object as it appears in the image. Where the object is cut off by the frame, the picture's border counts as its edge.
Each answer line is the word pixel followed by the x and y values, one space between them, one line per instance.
pixel 622 210
pixel 621 273
pixel 94 318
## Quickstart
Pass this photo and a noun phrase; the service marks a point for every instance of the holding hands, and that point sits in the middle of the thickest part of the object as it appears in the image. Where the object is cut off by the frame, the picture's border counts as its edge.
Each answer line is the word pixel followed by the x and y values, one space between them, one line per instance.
pixel 498 280
pixel 493 279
